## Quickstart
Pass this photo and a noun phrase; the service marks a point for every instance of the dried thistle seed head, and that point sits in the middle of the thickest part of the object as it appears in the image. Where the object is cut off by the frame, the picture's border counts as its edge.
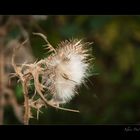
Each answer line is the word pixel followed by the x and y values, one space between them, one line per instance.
pixel 66 69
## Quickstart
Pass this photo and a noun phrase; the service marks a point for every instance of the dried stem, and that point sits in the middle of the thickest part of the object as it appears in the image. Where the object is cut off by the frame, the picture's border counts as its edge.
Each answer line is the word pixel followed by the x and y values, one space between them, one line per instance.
pixel 24 85
pixel 1 85
pixel 26 104
pixel 50 47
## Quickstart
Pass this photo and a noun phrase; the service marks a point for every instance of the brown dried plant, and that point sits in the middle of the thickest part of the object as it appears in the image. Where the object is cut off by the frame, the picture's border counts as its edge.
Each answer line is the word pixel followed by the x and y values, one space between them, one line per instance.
pixel 7 94
pixel 59 74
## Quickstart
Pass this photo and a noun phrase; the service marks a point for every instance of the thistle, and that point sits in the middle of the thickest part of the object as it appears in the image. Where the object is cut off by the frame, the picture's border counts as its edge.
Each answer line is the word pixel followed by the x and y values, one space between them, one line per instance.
pixel 65 69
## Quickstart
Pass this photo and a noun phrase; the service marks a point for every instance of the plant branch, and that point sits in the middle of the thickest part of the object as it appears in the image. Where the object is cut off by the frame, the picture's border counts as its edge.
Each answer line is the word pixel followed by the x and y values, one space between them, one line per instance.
pixel 1 85
pixel 24 85
pixel 26 104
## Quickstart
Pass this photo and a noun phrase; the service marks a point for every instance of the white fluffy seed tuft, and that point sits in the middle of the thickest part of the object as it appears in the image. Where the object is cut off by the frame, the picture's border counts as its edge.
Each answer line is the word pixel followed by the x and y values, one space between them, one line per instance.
pixel 67 69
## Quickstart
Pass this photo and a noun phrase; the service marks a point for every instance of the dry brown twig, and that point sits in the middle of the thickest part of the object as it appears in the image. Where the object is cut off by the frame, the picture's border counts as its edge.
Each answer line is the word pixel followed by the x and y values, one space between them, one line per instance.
pixel 1 86
pixel 7 96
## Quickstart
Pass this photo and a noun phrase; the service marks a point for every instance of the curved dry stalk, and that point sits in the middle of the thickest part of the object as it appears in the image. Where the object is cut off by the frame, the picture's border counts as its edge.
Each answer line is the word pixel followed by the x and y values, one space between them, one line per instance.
pixel 26 104
pixel 1 85
pixel 24 85
pixel 14 54
pixel 50 47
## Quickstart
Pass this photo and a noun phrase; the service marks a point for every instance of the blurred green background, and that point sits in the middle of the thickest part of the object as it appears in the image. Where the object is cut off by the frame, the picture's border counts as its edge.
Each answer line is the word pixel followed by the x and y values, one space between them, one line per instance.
pixel 113 96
